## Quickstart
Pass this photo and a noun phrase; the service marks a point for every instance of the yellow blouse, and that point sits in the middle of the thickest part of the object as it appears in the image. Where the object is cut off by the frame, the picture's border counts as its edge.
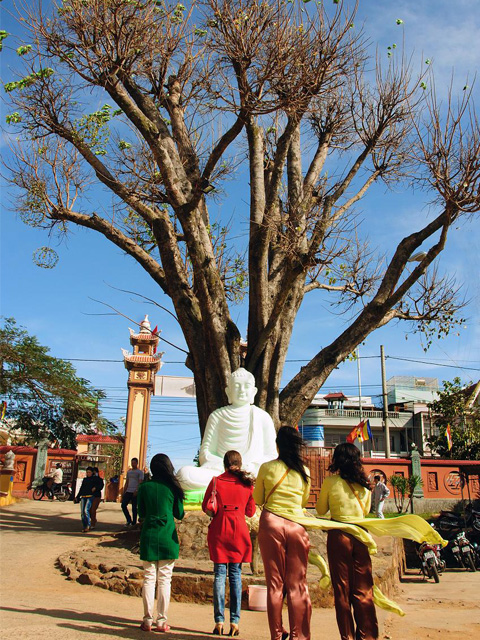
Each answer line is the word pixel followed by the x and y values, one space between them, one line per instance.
pixel 289 497
pixel 337 497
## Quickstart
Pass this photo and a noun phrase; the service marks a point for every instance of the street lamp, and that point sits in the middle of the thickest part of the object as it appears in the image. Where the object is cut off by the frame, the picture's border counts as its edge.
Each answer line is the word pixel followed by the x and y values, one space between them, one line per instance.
pixel 418 257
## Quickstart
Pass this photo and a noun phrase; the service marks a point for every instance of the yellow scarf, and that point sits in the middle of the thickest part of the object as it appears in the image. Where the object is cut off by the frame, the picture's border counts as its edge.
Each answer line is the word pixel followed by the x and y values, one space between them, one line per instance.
pixel 407 526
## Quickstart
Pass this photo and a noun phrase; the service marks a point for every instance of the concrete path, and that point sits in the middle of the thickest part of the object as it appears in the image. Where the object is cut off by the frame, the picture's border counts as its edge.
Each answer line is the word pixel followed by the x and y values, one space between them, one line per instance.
pixel 37 601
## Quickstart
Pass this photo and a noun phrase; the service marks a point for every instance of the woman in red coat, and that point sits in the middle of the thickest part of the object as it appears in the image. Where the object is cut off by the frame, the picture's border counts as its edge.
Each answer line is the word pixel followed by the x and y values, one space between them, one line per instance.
pixel 228 537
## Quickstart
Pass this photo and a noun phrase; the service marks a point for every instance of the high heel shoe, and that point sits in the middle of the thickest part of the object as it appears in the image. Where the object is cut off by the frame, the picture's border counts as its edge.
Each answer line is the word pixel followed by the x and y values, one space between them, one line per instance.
pixel 233 629
pixel 218 631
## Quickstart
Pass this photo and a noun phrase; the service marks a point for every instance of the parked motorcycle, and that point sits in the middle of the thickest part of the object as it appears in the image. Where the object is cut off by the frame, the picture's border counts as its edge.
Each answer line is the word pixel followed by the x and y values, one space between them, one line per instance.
pixel 476 548
pixel 431 561
pixel 463 551
pixel 62 493
pixel 451 522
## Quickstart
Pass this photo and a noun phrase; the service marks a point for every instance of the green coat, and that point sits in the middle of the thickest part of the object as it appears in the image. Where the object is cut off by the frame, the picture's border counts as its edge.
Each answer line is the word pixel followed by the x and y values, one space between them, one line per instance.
pixel 157 506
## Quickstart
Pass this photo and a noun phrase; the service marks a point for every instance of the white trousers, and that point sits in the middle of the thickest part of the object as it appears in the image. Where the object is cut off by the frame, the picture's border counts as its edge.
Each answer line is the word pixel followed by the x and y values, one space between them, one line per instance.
pixel 157 573
pixel 379 509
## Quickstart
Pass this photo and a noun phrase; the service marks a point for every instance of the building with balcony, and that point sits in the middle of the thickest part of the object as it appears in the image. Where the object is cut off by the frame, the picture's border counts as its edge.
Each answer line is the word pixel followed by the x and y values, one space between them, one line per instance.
pixel 414 394
pixel 331 417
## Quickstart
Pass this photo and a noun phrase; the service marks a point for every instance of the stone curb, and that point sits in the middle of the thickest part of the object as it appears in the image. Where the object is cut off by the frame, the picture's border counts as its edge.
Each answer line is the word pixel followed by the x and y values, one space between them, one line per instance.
pixel 191 584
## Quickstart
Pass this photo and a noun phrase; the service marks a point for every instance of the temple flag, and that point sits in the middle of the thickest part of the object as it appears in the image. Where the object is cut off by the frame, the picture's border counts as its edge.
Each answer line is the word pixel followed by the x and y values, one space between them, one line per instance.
pixel 356 432
pixel 448 435
pixel 366 431
pixel 352 435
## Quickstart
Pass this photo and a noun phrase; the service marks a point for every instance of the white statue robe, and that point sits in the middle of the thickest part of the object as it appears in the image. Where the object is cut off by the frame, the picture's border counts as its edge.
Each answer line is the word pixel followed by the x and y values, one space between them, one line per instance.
pixel 248 430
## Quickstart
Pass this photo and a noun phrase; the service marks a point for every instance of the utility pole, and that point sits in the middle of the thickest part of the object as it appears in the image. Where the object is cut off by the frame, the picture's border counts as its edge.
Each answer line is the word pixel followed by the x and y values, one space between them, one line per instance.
pixel 385 405
pixel 360 395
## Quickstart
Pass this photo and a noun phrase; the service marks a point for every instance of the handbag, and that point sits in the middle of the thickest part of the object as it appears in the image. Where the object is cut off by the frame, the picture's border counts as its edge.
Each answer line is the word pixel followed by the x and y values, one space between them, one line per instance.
pixel 212 506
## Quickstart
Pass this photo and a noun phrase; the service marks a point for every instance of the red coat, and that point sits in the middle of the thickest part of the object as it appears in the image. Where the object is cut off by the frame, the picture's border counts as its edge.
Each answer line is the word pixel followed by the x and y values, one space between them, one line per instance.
pixel 228 537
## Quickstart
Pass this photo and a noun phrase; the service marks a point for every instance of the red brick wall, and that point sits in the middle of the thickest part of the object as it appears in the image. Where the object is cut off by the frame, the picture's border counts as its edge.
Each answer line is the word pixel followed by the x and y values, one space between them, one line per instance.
pixel 25 458
pixel 441 478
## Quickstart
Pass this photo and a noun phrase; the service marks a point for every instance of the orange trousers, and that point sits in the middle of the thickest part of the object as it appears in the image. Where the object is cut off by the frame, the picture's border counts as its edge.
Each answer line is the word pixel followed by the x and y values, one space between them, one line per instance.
pixel 284 546
pixel 352 581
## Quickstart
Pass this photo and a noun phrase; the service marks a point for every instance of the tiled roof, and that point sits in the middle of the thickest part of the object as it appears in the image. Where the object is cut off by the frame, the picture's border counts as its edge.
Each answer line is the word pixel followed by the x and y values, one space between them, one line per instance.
pixel 24 449
pixel 99 438
pixel 141 357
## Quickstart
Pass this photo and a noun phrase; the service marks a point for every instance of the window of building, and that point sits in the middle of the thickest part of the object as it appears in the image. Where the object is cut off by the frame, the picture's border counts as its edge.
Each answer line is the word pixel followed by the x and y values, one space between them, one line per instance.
pixel 332 439
pixel 335 404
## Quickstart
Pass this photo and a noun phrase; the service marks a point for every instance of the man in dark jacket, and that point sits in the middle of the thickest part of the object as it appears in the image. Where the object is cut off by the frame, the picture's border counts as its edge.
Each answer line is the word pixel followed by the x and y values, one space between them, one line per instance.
pixel 85 497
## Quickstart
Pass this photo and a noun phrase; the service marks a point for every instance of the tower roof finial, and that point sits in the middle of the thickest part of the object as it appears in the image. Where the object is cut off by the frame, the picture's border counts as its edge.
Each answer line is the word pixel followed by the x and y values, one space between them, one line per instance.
pixel 145 325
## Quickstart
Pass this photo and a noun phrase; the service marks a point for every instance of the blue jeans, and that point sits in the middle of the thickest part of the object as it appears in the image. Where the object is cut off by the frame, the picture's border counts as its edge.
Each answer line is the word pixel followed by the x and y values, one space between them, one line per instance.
pixel 85 506
pixel 235 581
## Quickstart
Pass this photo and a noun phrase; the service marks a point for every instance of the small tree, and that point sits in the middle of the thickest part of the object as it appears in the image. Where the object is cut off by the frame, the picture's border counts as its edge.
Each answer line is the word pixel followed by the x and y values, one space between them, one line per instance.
pixel 115 459
pixel 403 488
pixel 413 481
pixel 458 407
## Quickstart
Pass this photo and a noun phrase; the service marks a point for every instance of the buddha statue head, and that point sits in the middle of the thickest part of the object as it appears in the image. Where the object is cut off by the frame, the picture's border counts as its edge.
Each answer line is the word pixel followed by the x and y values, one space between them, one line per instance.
pixel 241 388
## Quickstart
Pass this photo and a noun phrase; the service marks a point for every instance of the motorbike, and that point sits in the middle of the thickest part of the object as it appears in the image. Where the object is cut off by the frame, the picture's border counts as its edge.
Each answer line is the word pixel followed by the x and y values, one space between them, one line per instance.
pixel 476 548
pixel 450 522
pixel 431 561
pixel 464 551
pixel 62 493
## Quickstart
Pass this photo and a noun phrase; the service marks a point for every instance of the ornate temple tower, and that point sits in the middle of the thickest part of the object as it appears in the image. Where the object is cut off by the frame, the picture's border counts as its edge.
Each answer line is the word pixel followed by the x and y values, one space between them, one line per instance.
pixel 142 366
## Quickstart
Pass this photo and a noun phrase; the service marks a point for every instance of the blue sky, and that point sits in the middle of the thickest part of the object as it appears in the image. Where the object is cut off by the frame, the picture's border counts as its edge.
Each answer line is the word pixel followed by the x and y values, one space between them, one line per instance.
pixel 57 305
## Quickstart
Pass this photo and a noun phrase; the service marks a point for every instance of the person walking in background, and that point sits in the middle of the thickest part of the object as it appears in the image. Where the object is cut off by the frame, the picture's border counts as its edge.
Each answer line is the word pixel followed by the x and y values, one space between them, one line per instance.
pixel 160 500
pixel 380 492
pixel 283 487
pixel 97 496
pixel 134 478
pixel 85 497
pixel 347 496
pixel 228 537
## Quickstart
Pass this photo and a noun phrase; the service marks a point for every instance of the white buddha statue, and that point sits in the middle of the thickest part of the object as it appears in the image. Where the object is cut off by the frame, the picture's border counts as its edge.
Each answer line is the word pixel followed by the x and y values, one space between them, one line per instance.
pixel 240 426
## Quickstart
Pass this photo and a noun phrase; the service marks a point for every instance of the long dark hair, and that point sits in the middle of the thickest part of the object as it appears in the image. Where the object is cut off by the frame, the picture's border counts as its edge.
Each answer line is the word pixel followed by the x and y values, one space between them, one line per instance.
pixel 291 446
pixel 232 461
pixel 162 469
pixel 346 460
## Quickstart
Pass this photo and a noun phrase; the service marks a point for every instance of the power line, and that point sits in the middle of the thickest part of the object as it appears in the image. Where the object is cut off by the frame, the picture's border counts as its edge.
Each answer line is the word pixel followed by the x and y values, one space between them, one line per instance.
pixel 452 366
pixel 436 361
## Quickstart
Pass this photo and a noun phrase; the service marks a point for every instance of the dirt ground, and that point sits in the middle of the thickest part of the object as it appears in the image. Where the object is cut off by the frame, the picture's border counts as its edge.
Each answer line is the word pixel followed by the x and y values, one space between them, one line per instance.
pixel 37 601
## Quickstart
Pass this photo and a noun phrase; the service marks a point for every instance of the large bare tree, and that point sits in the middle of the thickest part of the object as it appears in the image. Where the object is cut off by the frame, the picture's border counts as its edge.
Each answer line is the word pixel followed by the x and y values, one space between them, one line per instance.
pixel 193 96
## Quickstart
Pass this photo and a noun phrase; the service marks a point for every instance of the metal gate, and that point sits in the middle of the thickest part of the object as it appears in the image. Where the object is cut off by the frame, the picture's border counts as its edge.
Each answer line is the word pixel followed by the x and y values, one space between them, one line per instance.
pixel 317 459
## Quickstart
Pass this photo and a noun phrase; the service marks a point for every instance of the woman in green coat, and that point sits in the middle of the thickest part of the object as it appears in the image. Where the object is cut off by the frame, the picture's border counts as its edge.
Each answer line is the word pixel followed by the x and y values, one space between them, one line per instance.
pixel 159 501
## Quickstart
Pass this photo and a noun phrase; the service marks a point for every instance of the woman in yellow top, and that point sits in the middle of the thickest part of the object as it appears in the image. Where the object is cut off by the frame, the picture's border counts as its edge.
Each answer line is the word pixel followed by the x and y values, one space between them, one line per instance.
pixel 347 496
pixel 283 487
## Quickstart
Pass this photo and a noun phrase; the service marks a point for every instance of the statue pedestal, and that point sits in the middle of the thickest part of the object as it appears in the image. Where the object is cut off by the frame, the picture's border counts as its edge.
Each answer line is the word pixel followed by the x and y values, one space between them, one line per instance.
pixel 6 487
pixel 194 498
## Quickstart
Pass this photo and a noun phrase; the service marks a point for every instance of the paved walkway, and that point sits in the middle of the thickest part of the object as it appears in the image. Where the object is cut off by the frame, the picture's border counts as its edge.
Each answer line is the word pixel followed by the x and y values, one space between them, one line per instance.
pixel 37 601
